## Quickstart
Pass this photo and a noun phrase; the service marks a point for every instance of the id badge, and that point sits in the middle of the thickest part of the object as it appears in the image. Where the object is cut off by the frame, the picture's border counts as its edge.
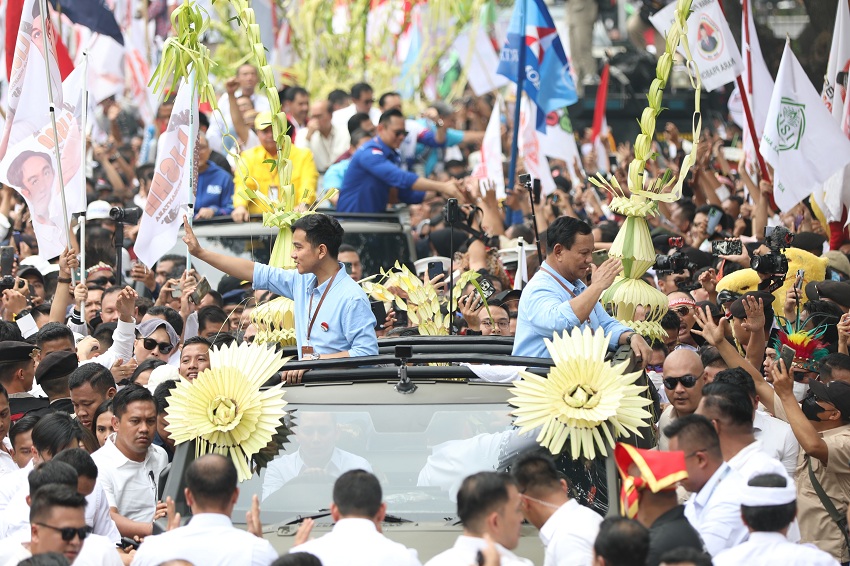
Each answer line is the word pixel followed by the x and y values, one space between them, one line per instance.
pixel 306 352
pixel 273 192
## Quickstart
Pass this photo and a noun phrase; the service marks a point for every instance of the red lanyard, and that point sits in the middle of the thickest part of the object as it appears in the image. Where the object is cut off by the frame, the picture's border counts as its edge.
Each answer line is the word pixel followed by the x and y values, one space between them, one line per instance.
pixel 561 283
pixel 319 306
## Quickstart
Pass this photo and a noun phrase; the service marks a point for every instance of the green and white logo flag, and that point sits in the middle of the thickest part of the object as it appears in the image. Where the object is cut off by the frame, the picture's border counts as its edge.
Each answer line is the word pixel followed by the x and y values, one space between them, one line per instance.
pixel 801 140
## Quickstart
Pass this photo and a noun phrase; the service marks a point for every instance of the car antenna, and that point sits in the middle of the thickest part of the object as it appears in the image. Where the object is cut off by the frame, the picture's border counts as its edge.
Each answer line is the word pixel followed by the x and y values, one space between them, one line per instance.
pixel 404 385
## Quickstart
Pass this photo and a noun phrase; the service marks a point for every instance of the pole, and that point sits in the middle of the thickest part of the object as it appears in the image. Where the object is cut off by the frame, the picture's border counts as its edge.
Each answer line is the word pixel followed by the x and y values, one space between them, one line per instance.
pixel 82 224
pixel 520 79
pixel 83 158
pixel 193 134
pixel 531 194
pixel 52 109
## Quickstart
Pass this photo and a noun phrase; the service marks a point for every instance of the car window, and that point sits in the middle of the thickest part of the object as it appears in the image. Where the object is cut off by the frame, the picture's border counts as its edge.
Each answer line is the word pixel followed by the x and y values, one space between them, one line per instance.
pixel 420 453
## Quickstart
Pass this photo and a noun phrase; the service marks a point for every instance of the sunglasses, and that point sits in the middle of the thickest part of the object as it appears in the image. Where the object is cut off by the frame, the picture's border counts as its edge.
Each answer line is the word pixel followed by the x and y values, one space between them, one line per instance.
pixel 656 368
pixel 682 311
pixel 150 344
pixel 400 133
pixel 68 533
pixel 687 381
pixel 101 281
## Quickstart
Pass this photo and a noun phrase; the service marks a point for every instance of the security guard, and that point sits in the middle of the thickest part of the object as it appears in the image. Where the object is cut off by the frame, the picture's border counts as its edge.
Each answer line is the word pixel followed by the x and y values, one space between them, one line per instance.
pixel 17 372
pixel 52 375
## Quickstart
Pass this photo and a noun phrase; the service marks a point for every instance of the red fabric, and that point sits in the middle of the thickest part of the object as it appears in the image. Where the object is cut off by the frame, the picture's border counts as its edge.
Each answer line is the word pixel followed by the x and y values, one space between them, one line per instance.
pixel 601 102
pixel 838 234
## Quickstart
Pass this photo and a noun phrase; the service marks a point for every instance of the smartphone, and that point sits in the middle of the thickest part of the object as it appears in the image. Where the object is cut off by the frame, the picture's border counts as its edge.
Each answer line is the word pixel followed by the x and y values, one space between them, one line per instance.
pixel 127 542
pixel 401 319
pixel 599 256
pixel 380 313
pixel 349 268
pixel 486 288
pixel 727 247
pixel 787 356
pixel 714 217
pixel 435 268
pixel 537 189
pixel 7 260
pixel 798 282
pixel 200 291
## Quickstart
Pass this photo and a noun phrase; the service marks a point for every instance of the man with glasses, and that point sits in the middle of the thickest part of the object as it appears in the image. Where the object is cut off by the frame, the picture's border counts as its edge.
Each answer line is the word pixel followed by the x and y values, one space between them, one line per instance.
pixel 376 168
pixel 714 509
pixel 683 378
pixel 683 305
pixel 497 322
pixel 155 338
pixel 215 185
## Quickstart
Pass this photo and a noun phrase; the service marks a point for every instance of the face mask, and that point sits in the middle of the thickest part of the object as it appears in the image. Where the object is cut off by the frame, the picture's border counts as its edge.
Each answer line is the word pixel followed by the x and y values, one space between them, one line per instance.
pixel 800 391
pixel 811 408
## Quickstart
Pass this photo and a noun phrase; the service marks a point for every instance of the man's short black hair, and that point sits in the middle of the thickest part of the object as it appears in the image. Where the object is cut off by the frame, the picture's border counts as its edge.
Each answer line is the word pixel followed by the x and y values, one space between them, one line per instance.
pixel 198 340
pixel 214 315
pixel 170 315
pixel 80 460
pixel 10 331
pixel 222 339
pixel 738 377
pixel 733 404
pixel 832 362
pixel 337 96
pixel 161 395
pixel 686 555
pixel 481 494
pixel 357 493
pixel 622 542
pixel 710 355
pixel 4 393
pixel 695 430
pixel 348 248
pixel 53 331
pixel 47 558
pixel 23 425
pixel 536 472
pixel 131 394
pixel 670 321
pixel 290 93
pixel 96 375
pixel 103 333
pixel 770 518
pixel 356 121
pixel 45 498
pixel 212 480
pixel 382 101
pixel 360 88
pixel 53 472
pixel 216 298
pixel 387 116
pixel 54 432
pixel 321 229
pixel 179 262
pixel 564 231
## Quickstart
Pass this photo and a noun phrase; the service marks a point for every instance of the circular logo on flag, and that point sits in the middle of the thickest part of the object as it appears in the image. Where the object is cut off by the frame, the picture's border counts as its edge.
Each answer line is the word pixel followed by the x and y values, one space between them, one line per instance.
pixel 709 38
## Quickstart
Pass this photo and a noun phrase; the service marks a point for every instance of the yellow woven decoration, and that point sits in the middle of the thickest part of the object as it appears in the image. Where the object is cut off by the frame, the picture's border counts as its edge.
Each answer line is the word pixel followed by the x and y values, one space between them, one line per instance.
pixel 275 322
pixel 224 410
pixel 584 399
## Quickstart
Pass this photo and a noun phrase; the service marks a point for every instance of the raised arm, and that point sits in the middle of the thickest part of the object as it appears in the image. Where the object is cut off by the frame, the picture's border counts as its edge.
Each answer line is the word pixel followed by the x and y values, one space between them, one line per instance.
pixel 240 268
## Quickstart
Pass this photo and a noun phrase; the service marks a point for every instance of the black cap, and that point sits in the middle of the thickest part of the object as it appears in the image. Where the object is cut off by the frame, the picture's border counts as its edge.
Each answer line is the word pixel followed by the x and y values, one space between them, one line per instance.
pixel 56 365
pixel 11 351
pixel 836 291
pixel 809 241
pixel 836 393
pixel 510 295
pixel 713 309
pixel 736 308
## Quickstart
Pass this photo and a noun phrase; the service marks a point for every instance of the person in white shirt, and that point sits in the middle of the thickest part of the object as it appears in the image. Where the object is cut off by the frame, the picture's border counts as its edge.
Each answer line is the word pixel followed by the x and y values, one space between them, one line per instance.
pixel 487 503
pixel 714 509
pixel 129 464
pixel 362 101
pixel 57 519
pixel 321 136
pixel 768 507
pixel 317 456
pixel 620 541
pixel 248 78
pixel 358 511
pixel 90 385
pixel 566 528
pixel 7 462
pixel 210 537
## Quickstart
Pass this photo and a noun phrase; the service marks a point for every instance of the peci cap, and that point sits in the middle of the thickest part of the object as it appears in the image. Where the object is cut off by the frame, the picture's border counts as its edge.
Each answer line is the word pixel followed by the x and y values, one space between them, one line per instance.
pixel 736 308
pixel 835 291
pixel 148 327
pixel 502 298
pixel 836 393
pixel 56 365
pixel 11 351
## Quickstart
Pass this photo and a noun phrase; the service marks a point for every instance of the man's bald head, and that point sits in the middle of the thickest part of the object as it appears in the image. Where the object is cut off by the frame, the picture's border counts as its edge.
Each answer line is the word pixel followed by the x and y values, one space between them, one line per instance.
pixel 682 367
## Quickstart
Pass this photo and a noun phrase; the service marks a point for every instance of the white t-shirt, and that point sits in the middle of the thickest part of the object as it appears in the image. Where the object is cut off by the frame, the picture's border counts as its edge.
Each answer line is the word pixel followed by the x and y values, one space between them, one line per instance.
pixel 131 487
pixel 357 542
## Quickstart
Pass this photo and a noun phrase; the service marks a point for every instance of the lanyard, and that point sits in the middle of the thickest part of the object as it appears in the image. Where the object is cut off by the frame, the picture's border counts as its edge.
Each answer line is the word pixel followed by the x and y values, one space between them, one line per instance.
pixel 561 283
pixel 319 306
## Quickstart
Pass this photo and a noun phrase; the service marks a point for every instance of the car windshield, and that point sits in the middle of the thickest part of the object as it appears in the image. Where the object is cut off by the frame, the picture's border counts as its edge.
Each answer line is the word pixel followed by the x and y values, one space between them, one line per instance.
pixel 420 453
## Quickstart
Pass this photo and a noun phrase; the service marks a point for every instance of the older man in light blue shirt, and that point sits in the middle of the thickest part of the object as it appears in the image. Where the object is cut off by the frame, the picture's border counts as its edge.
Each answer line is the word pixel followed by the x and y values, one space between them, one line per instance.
pixel 333 318
pixel 557 300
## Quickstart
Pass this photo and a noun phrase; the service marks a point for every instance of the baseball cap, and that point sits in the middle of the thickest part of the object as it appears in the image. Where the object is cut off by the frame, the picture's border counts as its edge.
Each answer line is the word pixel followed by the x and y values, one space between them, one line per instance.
pixel 838 261
pixel 25 270
pixel 262 121
pixel 835 291
pixel 836 393
pixel 98 210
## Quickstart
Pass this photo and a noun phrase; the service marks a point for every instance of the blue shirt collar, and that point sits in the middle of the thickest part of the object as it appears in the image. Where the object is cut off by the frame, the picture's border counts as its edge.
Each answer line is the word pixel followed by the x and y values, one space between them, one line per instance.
pixel 576 287
pixel 313 288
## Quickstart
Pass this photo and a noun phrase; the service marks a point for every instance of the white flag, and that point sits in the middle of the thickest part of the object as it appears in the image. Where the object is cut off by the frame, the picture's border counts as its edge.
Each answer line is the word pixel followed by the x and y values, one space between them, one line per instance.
pixel 535 161
pixel 169 191
pixel 490 167
pixel 28 102
pixel 521 276
pixel 30 167
pixel 712 44
pixel 559 142
pixel 801 140
pixel 480 60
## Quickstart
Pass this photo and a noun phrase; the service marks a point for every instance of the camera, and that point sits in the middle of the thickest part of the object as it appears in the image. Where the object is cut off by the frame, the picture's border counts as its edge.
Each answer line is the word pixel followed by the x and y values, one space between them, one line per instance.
pixel 452 211
pixel 525 179
pixel 129 215
pixel 676 262
pixel 777 238
pixel 7 261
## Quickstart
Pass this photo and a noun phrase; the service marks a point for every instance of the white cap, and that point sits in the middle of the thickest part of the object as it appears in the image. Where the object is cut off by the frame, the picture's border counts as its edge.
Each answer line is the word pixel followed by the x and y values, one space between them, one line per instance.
pixel 757 496
pixel 98 210
pixel 421 264
pixel 161 374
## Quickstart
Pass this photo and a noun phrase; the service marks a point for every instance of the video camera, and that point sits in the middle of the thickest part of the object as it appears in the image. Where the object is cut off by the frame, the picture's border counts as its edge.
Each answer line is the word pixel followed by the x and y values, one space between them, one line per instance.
pixel 129 215
pixel 777 238
pixel 677 262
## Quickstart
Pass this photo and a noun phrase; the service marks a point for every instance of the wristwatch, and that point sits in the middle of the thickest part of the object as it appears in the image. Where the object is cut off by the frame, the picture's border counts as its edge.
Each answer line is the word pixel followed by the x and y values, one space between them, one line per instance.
pixel 313 356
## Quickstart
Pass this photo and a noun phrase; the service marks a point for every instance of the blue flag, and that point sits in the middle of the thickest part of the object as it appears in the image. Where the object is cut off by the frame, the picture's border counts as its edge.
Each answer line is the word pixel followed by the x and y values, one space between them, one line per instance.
pixel 547 77
pixel 93 14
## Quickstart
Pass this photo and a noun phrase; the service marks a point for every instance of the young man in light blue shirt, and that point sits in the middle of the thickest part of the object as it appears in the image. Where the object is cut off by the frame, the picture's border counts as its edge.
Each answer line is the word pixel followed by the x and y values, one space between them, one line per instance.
pixel 557 300
pixel 333 318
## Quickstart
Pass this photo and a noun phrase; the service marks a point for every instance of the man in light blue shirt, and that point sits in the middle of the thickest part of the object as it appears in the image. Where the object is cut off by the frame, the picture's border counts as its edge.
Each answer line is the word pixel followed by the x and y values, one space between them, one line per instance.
pixel 557 300
pixel 333 318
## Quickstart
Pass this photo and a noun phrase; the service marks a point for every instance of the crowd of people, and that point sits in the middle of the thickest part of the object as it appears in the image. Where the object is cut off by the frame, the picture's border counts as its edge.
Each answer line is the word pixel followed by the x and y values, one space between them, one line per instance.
pixel 750 383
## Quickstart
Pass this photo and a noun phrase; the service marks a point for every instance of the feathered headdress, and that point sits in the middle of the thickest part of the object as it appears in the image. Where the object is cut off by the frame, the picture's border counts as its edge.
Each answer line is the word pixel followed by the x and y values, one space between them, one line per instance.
pixel 808 347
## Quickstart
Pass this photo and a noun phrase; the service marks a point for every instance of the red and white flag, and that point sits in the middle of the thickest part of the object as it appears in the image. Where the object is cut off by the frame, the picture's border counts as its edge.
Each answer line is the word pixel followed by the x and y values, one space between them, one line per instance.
pixel 169 193
pixel 532 154
pixel 600 123
pixel 490 167
pixel 30 167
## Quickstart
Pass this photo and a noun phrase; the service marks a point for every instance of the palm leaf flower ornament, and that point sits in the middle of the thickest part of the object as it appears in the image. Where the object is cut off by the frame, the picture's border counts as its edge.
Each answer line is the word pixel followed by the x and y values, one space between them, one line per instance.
pixel 225 412
pixel 584 400
pixel 633 244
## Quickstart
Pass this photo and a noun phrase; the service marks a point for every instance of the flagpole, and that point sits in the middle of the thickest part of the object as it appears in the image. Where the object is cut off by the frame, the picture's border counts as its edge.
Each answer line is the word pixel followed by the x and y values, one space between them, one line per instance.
pixel 52 108
pixel 83 168
pixel 520 79
pixel 190 151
